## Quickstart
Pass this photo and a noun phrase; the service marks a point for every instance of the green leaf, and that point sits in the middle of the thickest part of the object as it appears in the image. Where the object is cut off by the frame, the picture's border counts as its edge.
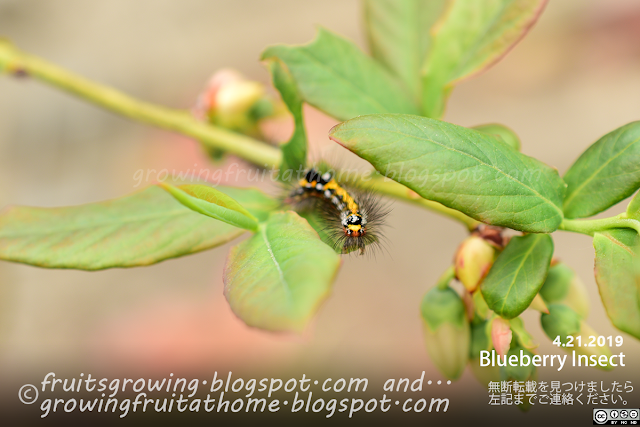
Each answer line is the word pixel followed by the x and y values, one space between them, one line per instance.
pixel 141 229
pixel 399 34
pixel 277 279
pixel 294 152
pixel 617 277
pixel 518 274
pixel 335 76
pixel 461 168
pixel 503 133
pixel 471 37
pixel 255 201
pixel 606 173
pixel 214 203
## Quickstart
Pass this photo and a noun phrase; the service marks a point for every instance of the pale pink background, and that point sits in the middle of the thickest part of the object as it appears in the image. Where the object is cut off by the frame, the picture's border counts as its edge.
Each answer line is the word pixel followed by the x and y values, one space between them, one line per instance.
pixel 573 79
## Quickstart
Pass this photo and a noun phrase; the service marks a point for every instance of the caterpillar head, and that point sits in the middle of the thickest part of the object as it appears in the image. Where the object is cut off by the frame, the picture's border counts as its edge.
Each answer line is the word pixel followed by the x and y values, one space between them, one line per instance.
pixel 354 225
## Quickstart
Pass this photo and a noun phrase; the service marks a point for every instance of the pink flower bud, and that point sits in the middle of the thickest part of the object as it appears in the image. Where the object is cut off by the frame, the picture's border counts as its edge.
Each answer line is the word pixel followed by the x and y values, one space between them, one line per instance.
pixel 207 99
pixel 501 335
pixel 227 98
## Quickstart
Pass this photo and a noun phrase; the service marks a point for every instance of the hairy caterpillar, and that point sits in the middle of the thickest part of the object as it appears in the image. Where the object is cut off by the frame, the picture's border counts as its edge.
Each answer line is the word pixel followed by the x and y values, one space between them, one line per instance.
pixel 352 218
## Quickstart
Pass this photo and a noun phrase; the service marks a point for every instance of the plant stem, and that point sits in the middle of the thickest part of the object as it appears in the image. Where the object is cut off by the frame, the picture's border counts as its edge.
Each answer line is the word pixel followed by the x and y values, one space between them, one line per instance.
pixel 16 62
pixel 446 278
pixel 391 188
pixel 591 226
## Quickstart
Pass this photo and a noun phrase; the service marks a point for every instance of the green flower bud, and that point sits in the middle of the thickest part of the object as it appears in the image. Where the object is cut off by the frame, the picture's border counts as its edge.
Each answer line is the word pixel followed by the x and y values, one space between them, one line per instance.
pixel 446 331
pixel 473 260
pixel 561 322
pixel 484 374
pixel 565 287
pixel 564 322
pixel 481 340
pixel 518 373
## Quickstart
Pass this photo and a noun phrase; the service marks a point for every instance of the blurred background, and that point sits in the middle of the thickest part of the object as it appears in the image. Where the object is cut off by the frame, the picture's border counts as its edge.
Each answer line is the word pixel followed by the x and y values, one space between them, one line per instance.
pixel 574 78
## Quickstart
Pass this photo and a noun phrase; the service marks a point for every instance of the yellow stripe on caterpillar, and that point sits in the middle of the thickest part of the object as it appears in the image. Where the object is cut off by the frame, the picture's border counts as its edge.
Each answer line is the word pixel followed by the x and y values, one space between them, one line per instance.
pixel 346 198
